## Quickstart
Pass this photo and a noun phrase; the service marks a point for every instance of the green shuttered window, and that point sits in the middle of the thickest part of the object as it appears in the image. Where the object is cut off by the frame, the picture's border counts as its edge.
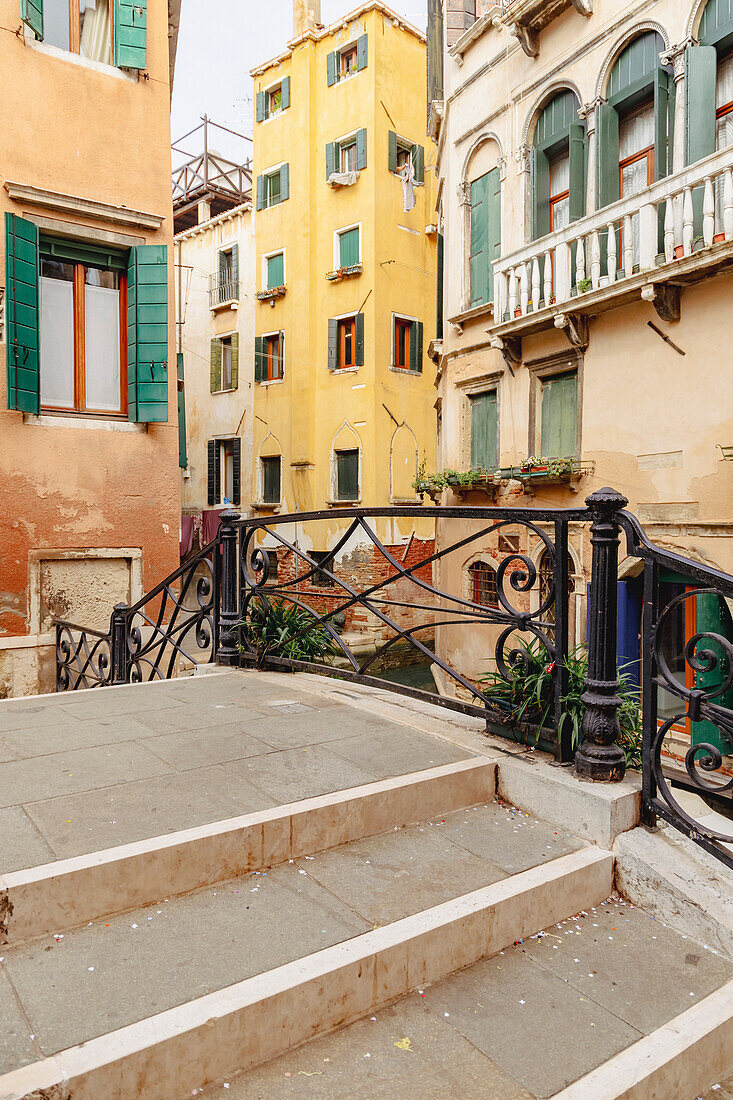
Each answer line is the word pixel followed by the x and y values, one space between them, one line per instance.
pixel 271 479
pixel 22 311
pixel 559 147
pixel 273 187
pixel 416 346
pixel 130 30
pixel 485 235
pixel 349 249
pixel 399 150
pixel 147 334
pixel 484 431
pixel 275 271
pixel 182 447
pixel 701 64
pixel 560 416
pixel 347 475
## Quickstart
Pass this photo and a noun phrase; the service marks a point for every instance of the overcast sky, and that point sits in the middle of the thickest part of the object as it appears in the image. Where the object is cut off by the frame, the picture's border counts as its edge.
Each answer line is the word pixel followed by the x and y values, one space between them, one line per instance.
pixel 221 40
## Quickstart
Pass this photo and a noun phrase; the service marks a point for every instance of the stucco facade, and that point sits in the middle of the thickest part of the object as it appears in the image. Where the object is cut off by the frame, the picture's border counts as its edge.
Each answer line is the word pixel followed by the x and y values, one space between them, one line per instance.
pixel 209 310
pixel 90 501
pixel 367 405
pixel 627 293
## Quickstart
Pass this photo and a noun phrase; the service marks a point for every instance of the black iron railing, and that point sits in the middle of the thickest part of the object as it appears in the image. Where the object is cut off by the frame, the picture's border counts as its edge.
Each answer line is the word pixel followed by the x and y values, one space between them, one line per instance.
pixel 213 609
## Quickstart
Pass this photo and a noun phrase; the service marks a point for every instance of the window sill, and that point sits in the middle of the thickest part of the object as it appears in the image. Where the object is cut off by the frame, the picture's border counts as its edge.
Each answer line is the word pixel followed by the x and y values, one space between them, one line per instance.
pixel 343 273
pixel 217 393
pixel 80 420
pixel 219 307
pixel 343 503
pixel 405 370
pixel 77 59
pixel 345 370
pixel 260 506
pixel 274 115
pixel 483 310
pixel 272 382
pixel 346 78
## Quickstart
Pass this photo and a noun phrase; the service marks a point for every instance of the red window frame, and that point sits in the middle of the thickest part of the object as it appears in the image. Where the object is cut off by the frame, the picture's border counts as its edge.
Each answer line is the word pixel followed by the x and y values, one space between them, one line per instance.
pixel 273 364
pixel 345 57
pixel 484 587
pixel 80 350
pixel 347 343
pixel 402 336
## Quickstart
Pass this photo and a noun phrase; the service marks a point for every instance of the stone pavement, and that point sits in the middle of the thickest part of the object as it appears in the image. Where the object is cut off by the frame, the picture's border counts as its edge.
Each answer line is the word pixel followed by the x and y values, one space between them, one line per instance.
pixel 90 770
pixel 518 1026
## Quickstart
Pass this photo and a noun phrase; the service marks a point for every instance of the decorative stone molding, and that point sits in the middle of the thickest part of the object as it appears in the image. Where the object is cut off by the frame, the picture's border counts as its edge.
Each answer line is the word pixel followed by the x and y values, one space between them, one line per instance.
pixel 576 328
pixel 523 157
pixel 86 208
pixel 675 56
pixel 528 38
pixel 665 297
pixel 629 34
pixel 464 193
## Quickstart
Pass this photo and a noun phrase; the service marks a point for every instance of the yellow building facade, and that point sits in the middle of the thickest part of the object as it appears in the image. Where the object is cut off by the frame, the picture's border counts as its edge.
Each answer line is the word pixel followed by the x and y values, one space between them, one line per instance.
pixel 345 270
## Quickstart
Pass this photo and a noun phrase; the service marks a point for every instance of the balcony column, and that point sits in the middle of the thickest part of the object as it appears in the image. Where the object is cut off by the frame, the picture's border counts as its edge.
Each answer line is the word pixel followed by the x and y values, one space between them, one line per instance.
pixel 675 56
pixel 587 113
pixel 464 204
pixel 523 157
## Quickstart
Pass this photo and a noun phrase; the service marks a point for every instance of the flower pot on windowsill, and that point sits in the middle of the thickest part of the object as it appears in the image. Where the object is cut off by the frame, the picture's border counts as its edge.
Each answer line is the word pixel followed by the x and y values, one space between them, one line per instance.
pixel 517 313
pixel 679 251
pixel 718 238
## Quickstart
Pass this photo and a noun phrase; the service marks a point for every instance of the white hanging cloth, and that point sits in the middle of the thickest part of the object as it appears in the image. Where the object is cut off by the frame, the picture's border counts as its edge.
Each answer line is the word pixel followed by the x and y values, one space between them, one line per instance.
pixel 407 175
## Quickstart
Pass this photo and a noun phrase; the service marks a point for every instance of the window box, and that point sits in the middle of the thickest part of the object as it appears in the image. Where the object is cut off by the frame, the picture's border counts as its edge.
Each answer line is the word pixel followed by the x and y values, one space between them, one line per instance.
pixel 270 295
pixel 343 273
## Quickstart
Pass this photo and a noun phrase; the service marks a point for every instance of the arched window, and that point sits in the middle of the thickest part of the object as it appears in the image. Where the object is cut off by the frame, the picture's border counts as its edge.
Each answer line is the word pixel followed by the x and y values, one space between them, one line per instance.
pixel 634 124
pixel 709 81
pixel 558 166
pixel 483 584
pixel 484 230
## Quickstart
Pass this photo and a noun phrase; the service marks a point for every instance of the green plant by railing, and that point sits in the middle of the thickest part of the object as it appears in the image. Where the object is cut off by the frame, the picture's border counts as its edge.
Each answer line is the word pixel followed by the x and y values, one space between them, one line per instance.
pixel 529 696
pixel 277 629
pixel 552 467
pixel 465 479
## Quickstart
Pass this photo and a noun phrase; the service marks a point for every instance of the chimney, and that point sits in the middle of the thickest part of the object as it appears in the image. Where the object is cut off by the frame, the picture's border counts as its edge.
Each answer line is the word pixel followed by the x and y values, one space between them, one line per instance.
pixel 306 16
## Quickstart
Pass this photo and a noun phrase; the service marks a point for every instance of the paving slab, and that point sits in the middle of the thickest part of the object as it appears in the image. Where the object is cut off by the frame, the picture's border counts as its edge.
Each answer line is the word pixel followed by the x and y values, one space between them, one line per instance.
pixel 203 715
pixel 289 727
pixel 5 753
pixel 66 734
pixel 22 844
pixel 76 825
pixel 293 774
pixel 407 751
pixel 215 744
pixel 402 1052
pixel 78 770
pixel 17 1041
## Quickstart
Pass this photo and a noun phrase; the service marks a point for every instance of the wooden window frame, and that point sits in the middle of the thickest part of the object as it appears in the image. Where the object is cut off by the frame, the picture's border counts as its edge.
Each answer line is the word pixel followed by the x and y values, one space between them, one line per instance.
pixel 346 328
pixel 277 89
pixel 480 573
pixel 79 308
pixel 273 366
pixel 544 370
pixel 225 446
pixel 405 325
pixel 263 460
pixel 348 53
pixel 350 451
pixel 267 258
pixel 75 26
pixel 557 198
pixel 343 146
pixel 226 342
pixel 276 173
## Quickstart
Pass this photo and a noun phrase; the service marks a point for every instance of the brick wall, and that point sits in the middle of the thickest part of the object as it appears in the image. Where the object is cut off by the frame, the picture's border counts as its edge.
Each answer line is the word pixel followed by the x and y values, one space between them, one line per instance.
pixel 459 16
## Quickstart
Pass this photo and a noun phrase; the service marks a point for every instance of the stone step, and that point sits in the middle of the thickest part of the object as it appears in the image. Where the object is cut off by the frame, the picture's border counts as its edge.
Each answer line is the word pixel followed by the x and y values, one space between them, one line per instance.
pixel 161 1000
pixel 70 892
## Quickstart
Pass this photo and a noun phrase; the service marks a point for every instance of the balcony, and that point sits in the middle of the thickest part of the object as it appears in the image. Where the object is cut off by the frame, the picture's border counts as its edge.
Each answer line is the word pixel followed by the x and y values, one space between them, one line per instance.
pixel 526 18
pixel 223 293
pixel 204 175
pixel 675 233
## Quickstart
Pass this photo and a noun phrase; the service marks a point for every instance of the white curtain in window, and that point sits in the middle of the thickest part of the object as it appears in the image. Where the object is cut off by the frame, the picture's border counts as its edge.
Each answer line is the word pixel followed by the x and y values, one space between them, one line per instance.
pixel 724 89
pixel 636 133
pixel 102 348
pixel 57 343
pixel 96 37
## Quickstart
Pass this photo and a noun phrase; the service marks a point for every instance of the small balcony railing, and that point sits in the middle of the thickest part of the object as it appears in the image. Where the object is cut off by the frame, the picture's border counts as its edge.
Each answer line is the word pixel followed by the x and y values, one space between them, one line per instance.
pixel 222 291
pixel 678 229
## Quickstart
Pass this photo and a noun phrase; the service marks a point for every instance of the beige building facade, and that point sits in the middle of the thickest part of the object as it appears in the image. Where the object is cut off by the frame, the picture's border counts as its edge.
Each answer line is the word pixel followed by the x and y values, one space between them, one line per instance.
pixel 88 439
pixel 585 164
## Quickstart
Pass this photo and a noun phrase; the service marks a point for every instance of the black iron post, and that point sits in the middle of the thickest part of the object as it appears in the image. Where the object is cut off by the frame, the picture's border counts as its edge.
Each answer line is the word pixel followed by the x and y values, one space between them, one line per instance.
pixel 118 631
pixel 600 757
pixel 227 652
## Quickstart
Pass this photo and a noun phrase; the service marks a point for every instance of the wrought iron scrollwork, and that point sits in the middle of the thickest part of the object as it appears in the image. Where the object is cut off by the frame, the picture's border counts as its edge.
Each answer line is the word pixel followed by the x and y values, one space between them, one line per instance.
pixel 83 657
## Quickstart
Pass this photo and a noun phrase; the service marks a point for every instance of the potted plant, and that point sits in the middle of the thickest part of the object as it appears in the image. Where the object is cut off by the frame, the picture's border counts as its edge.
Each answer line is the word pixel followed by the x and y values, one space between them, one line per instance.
pixel 584 285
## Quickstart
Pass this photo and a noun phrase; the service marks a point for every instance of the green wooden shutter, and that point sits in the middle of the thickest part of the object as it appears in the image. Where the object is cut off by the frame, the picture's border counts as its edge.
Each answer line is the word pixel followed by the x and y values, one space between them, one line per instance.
pixel 607 155
pixel 392 151
pixel 479 240
pixel 359 330
pixel 661 127
pixel 236 472
pixel 540 182
pixel 275 271
pixel 235 360
pixel 330 159
pixel 22 312
pixel 701 71
pixel 439 288
pixel 576 146
pixel 349 248
pixel 361 53
pixel 484 431
pixel 418 163
pixel 235 268
pixel 494 226
pixel 260 108
pixel 259 358
pixel 331 69
pixel 361 150
pixel 130 29
pixel 147 334
pixel 713 617
pixel 182 448
pixel 416 346
pixel 215 366
pixel 333 341
pixel 284 182
pixel 347 475
pixel 31 12
pixel 271 477
pixel 285 94
pixel 559 416
pixel 213 472
pixel 260 192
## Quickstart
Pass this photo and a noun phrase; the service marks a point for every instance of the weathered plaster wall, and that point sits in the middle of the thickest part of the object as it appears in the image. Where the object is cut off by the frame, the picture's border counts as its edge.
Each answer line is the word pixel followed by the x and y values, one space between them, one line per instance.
pixel 73 483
